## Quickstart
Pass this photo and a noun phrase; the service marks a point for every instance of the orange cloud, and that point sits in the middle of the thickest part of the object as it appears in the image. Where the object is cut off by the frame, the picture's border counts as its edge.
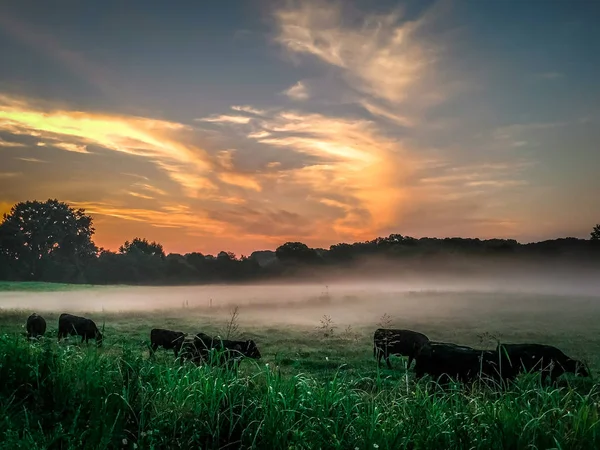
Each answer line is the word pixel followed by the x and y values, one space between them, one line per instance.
pixel 156 140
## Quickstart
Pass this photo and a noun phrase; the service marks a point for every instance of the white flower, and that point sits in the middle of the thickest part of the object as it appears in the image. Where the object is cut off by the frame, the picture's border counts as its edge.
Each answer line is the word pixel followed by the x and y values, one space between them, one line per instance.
pixel 134 446
pixel 124 441
pixel 375 446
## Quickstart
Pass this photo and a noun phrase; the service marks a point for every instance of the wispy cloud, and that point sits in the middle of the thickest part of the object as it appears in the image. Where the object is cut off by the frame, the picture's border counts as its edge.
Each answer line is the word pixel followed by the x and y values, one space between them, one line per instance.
pixel 380 57
pixel 225 119
pixel 33 160
pixel 161 142
pixel 4 143
pixel 248 109
pixel 298 91
pixel 10 174
pixel 71 147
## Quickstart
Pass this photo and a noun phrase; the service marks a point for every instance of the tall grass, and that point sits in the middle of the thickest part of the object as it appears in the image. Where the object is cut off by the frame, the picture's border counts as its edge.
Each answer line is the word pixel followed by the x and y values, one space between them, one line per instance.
pixel 77 396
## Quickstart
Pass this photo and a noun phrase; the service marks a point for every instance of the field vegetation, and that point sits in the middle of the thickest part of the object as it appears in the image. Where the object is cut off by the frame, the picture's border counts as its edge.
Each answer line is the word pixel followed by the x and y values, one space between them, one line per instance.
pixel 315 386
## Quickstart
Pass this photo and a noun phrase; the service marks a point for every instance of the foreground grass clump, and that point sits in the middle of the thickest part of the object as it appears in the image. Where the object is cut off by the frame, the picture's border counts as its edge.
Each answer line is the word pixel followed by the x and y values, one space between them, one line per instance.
pixel 68 397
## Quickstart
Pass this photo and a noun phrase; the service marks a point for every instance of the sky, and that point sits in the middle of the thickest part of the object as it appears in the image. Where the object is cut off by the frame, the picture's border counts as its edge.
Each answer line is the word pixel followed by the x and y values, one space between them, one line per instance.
pixel 239 126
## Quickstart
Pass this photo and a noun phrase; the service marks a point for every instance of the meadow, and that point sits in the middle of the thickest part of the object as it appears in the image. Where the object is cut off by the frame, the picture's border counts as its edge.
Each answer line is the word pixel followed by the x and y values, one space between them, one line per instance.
pixel 317 384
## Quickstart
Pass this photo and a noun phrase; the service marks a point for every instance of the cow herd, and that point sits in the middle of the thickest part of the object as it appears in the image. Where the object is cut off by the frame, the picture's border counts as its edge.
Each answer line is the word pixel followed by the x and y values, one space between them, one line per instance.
pixel 442 361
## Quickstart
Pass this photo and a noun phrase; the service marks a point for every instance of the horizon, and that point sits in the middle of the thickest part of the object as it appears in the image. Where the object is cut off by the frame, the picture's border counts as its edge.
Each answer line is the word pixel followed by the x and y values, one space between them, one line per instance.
pixel 242 126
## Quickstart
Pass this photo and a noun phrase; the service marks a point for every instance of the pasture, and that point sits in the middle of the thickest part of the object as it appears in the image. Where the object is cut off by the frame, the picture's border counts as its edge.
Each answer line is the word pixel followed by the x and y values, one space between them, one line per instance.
pixel 317 384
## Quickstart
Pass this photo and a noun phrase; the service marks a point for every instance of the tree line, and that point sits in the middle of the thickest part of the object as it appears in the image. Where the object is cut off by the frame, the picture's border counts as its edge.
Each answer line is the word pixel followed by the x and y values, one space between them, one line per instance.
pixel 51 241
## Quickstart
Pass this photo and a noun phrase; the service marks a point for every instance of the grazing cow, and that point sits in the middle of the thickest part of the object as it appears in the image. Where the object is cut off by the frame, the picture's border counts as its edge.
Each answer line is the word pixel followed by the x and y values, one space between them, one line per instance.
pixel 546 359
pixel 167 339
pixel 444 361
pixel 69 324
pixel 388 342
pixel 233 351
pixel 36 326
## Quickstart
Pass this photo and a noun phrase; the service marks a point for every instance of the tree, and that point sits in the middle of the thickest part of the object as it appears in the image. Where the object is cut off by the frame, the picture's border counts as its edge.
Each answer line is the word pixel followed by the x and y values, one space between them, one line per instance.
pixel 595 234
pixel 296 252
pixel 38 237
pixel 138 245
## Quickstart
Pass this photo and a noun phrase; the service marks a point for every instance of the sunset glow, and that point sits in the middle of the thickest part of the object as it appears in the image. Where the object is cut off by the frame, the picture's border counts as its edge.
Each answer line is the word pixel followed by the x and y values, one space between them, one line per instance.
pixel 324 123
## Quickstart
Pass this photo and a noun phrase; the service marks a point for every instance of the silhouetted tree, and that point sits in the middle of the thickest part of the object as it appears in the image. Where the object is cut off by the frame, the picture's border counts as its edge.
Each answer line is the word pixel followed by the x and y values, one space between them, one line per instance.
pixel 138 245
pixel 595 234
pixel 296 252
pixel 46 240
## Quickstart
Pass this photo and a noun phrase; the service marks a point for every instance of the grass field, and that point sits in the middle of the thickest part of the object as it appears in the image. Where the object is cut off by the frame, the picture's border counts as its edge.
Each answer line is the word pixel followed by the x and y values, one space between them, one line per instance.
pixel 308 390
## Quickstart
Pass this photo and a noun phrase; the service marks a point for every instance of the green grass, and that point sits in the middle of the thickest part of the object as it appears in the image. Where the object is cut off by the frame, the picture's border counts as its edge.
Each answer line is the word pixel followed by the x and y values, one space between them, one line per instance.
pixel 37 286
pixel 308 391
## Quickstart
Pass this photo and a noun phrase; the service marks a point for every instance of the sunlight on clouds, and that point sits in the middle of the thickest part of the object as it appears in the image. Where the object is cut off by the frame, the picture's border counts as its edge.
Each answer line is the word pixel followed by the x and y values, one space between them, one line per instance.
pixel 225 119
pixel 357 159
pixel 4 143
pixel 379 58
pixel 298 91
pixel 248 109
pixel 157 140
pixel 71 147
pixel 240 180
pixel 174 216
pixel 33 160
pixel 132 135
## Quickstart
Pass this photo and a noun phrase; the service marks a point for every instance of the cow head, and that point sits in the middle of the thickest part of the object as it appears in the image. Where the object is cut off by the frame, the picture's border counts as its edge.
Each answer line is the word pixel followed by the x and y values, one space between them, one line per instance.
pixel 251 350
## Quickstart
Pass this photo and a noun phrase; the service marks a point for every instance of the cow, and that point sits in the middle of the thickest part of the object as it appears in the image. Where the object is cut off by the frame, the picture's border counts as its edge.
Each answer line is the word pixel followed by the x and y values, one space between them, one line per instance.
pixel 36 326
pixel 69 324
pixel 388 342
pixel 232 351
pixel 546 359
pixel 167 339
pixel 444 361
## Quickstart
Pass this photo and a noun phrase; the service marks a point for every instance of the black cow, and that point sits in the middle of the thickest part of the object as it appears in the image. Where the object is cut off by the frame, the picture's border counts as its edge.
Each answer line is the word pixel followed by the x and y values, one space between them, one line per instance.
pixel 444 361
pixel 36 326
pixel 167 339
pixel 388 342
pixel 546 359
pixel 69 324
pixel 232 351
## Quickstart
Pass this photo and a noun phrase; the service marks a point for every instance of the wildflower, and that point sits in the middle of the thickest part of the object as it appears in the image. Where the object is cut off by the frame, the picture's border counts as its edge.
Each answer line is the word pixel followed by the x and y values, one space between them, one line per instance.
pixel 375 446
pixel 124 441
pixel 134 446
pixel 327 358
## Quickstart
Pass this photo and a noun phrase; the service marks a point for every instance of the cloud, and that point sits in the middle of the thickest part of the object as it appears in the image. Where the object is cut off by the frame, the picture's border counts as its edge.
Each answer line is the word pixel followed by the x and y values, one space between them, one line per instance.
pixel 225 119
pixel 71 147
pixel 33 160
pixel 10 174
pixel 171 216
pixel 138 195
pixel 383 112
pixel 380 57
pixel 298 91
pixel 158 141
pixel 4 143
pixel 352 156
pixel 248 109
pixel 149 188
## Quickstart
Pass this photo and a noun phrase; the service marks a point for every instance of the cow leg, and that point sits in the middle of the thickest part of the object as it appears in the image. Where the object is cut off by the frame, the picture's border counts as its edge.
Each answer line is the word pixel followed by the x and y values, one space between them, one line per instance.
pixel 387 359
